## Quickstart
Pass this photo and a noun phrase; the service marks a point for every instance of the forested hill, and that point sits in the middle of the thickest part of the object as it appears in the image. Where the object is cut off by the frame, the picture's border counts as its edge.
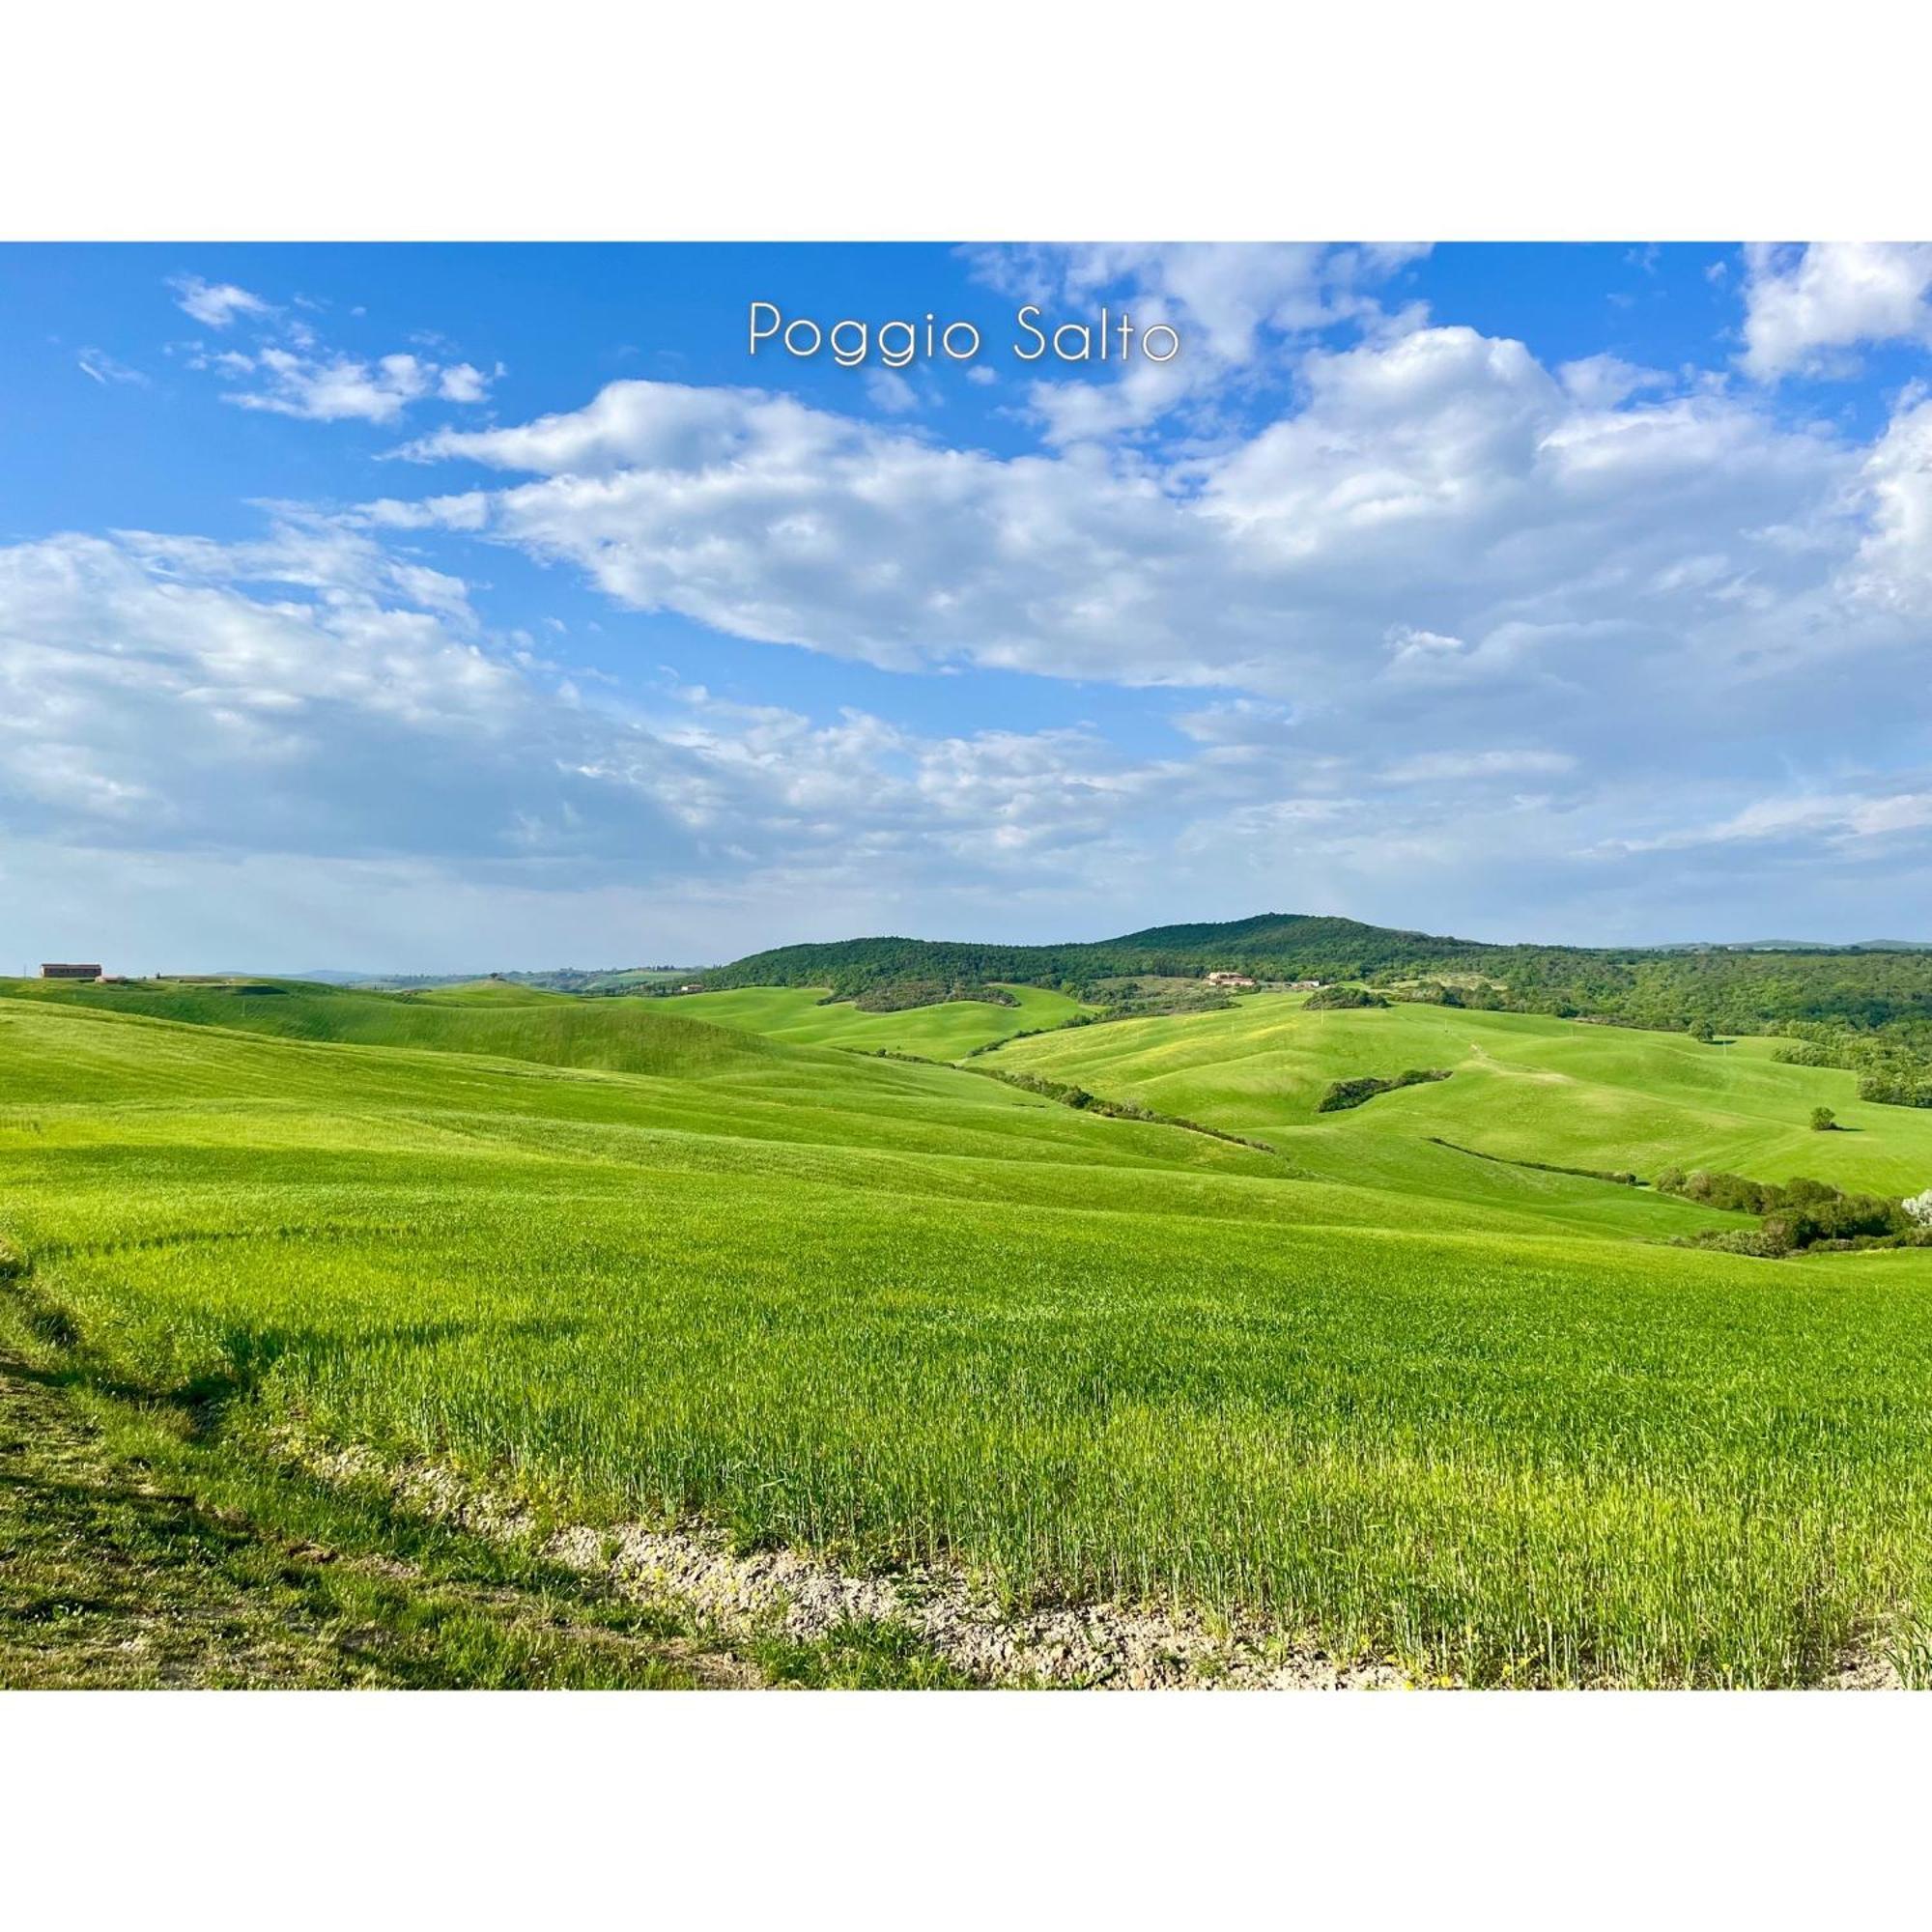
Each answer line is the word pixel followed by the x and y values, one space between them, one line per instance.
pixel 1676 986
pixel 1273 945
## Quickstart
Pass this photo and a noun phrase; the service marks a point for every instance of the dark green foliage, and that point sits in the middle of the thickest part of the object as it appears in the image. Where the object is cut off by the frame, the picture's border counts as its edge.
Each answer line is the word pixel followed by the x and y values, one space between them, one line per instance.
pixel 1339 999
pixel 1894 1067
pixel 1824 1120
pixel 1802 1213
pixel 1836 1220
pixel 898 996
pixel 1478 996
pixel 1276 945
pixel 1345 1093
pixel 1897 1090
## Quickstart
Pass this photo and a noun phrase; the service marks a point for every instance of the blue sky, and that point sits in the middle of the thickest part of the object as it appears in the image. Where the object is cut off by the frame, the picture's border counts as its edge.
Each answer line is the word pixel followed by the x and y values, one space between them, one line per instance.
pixel 449 608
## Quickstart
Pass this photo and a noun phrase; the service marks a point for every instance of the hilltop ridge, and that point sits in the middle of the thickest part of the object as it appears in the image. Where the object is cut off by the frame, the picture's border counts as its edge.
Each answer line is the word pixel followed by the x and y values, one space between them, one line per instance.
pixel 1735 987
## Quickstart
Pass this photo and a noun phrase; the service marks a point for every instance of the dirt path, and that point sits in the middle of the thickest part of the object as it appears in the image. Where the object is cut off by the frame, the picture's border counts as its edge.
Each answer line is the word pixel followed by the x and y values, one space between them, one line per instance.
pixel 114 1577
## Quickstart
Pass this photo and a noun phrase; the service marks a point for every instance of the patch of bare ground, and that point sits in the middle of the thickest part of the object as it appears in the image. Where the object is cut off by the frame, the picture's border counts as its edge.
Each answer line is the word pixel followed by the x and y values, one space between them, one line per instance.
pixel 1861 1670
pixel 1089 1645
pixel 1098 1645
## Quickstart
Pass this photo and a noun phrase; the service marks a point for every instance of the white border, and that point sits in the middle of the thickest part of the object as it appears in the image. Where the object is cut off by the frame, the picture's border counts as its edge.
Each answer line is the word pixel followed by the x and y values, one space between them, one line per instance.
pixel 1006 120
pixel 1502 1810
pixel 1002 121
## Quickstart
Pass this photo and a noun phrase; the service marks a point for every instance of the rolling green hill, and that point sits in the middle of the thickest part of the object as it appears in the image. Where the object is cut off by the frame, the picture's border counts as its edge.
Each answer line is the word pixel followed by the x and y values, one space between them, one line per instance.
pixel 947 1029
pixel 511 1022
pixel 1407 1399
pixel 1673 987
pixel 1522 1087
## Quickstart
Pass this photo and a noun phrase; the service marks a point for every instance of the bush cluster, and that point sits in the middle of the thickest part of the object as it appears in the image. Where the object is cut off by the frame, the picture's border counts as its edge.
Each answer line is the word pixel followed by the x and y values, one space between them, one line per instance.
pixel 1343 1094
pixel 1802 1213
pixel 1330 997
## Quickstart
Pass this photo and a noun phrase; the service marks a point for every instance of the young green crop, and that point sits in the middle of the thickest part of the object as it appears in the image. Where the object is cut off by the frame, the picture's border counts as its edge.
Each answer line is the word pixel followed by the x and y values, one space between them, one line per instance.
pixel 1408 1399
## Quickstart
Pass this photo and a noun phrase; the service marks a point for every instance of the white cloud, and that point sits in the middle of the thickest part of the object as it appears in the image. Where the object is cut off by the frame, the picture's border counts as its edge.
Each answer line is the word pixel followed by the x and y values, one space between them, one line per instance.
pixel 1894 566
pixel 1435 766
pixel 337 388
pixel 890 393
pixel 1603 381
pixel 104 369
pixel 463 383
pixel 1232 307
pixel 1387 601
pixel 319 696
pixel 1807 310
pixel 215 304
pixel 1240 720
pixel 151 696
pixel 1841 819
pixel 287 370
pixel 1439 498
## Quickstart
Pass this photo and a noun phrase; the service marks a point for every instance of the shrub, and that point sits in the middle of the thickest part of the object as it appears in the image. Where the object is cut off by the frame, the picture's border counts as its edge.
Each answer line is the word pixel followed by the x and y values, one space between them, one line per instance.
pixel 1733 1192
pixel 1343 1094
pixel 1895 1089
pixel 1824 1120
pixel 1753 1241
pixel 1335 997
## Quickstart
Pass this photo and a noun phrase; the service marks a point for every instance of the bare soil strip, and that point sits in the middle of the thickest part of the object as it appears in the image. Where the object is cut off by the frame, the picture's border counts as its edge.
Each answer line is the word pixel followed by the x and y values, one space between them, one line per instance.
pixel 1094 1645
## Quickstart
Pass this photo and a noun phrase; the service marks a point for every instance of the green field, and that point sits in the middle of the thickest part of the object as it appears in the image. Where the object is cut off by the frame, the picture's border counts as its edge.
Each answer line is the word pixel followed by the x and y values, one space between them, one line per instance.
pixel 1522 1087
pixel 1412 1401
pixel 946 1031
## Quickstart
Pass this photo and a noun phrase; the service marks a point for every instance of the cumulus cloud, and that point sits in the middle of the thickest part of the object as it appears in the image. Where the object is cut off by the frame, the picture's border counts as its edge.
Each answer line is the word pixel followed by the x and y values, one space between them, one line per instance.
pixel 1447 596
pixel 1807 310
pixel 1438 499
pixel 890 393
pixel 1234 307
pixel 330 388
pixel 215 304
pixel 311 692
pixel 461 382
pixel 287 370
pixel 1893 565
pixel 317 694
pixel 1432 601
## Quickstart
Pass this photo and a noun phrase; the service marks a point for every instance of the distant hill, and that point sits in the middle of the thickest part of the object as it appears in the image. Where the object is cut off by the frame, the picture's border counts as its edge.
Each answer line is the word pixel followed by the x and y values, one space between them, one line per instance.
pixel 553 979
pixel 1737 988
pixel 488 1017
pixel 1274 945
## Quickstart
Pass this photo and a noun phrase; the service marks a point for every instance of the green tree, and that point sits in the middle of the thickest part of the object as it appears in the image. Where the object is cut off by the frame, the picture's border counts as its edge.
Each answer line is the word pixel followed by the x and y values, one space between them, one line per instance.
pixel 1823 1120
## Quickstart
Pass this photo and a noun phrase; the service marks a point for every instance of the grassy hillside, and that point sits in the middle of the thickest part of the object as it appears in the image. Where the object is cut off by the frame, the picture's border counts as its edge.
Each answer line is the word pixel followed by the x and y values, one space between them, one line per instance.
pixel 489 1018
pixel 1523 1086
pixel 946 1031
pixel 901 1312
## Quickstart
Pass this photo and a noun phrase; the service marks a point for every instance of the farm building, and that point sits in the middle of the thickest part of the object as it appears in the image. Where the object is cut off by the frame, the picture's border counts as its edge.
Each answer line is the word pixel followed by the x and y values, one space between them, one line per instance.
pixel 1229 979
pixel 57 971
